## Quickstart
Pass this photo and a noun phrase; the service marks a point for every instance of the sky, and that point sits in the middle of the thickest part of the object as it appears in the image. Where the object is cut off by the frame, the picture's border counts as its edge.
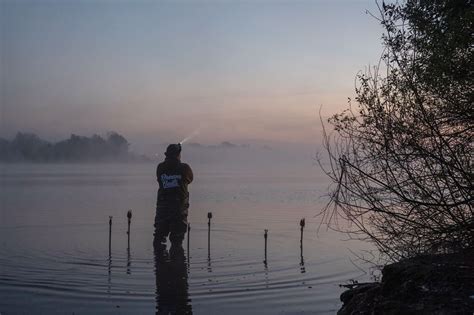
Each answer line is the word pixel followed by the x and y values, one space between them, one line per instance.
pixel 155 71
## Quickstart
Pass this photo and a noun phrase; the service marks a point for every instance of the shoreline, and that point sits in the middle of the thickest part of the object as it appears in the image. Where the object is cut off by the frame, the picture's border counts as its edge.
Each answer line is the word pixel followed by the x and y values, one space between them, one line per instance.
pixel 429 284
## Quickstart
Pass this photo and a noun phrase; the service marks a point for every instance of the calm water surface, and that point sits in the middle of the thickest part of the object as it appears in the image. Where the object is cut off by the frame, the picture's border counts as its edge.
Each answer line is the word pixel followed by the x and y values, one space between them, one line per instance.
pixel 54 255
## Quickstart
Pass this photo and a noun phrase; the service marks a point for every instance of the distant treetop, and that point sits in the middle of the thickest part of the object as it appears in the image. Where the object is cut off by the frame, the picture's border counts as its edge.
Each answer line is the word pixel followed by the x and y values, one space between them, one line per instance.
pixel 28 147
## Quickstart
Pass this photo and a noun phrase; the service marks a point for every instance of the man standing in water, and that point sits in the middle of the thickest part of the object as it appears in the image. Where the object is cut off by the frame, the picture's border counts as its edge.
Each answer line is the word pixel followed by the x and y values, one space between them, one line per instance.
pixel 173 198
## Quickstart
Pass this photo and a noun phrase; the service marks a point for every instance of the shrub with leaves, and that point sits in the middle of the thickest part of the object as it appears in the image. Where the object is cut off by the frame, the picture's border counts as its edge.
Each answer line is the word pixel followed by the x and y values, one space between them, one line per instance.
pixel 401 160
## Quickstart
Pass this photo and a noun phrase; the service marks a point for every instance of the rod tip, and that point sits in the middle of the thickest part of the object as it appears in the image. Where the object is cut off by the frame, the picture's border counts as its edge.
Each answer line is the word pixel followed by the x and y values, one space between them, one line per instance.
pixel 302 222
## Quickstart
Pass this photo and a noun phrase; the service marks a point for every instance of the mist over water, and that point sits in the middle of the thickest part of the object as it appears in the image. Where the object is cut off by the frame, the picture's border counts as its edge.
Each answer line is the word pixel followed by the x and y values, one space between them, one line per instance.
pixel 192 135
pixel 257 159
pixel 152 71
pixel 54 232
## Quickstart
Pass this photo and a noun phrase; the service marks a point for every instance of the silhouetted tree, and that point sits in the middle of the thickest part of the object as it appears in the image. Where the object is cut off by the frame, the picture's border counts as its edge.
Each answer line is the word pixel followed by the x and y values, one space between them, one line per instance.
pixel 402 160
pixel 118 144
pixel 5 150
pixel 29 147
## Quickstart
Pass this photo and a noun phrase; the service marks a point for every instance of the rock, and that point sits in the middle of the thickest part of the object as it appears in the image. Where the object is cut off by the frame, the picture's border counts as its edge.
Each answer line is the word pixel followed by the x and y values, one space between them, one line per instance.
pixel 431 284
pixel 358 297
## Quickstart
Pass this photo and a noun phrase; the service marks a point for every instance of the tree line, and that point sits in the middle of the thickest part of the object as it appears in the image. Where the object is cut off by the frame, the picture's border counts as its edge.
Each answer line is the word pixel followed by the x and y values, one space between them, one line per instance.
pixel 29 147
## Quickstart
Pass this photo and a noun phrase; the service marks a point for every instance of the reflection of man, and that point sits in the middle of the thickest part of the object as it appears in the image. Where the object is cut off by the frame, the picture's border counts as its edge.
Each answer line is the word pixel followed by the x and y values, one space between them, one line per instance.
pixel 173 197
pixel 171 282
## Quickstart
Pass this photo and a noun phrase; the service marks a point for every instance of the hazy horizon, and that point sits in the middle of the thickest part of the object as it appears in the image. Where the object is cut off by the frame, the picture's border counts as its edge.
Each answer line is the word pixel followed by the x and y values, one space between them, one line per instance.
pixel 244 72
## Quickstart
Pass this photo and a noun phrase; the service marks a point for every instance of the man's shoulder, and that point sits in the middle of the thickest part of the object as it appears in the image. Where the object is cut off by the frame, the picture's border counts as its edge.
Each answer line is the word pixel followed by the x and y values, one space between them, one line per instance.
pixel 162 167
pixel 185 165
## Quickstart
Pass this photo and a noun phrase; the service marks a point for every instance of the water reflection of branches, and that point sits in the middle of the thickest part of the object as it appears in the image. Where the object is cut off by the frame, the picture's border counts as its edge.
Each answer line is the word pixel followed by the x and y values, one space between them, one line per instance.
pixel 302 267
pixel 129 260
pixel 109 272
pixel 209 266
pixel 265 270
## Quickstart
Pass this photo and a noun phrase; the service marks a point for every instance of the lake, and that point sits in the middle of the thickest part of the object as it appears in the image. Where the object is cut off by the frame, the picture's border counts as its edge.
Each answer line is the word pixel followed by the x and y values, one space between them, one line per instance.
pixel 54 250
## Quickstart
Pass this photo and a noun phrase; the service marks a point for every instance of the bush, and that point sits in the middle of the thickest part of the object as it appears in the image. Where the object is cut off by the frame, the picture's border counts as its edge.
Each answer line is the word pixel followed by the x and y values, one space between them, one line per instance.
pixel 402 160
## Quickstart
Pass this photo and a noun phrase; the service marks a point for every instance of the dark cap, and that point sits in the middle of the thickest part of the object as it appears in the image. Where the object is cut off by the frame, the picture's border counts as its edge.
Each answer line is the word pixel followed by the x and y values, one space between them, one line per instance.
pixel 173 150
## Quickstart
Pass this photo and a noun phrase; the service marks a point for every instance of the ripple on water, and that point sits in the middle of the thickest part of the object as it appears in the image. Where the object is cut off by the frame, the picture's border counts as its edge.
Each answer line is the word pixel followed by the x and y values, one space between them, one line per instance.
pixel 81 275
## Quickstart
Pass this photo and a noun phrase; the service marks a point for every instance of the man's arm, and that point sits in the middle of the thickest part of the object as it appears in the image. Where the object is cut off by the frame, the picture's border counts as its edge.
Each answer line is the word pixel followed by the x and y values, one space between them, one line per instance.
pixel 188 174
pixel 157 174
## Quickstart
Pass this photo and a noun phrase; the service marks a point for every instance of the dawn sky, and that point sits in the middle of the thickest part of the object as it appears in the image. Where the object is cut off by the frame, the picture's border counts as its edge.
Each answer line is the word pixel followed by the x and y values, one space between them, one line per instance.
pixel 157 70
